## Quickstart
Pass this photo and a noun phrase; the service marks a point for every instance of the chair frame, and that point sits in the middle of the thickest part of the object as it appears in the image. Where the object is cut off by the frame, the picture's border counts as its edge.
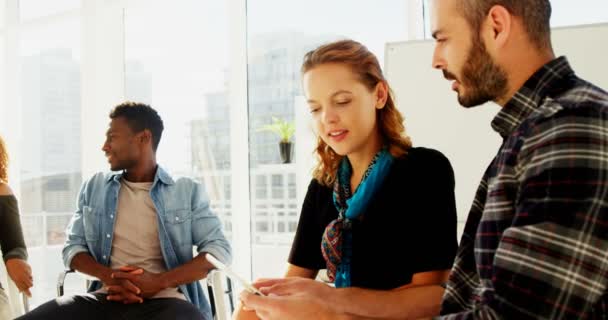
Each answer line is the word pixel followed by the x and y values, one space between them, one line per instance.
pixel 213 283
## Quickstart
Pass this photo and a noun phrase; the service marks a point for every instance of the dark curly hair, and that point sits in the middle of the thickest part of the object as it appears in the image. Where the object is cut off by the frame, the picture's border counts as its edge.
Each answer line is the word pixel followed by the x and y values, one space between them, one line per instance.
pixel 139 117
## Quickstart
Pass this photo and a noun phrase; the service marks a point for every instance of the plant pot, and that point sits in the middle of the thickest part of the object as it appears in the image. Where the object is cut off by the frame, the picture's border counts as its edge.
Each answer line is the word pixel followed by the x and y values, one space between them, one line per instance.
pixel 286 149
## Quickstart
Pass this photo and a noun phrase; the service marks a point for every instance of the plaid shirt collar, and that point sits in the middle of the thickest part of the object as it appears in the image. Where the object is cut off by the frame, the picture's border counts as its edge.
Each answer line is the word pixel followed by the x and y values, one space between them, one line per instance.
pixel 548 78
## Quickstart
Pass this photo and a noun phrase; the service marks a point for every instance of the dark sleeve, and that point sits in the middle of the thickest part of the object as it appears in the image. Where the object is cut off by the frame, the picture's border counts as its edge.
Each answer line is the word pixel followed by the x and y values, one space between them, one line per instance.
pixel 11 235
pixel 436 216
pixel 306 247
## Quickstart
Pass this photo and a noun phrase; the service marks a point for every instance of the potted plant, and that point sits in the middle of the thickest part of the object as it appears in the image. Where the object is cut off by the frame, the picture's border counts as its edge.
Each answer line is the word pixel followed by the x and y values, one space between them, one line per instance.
pixel 285 131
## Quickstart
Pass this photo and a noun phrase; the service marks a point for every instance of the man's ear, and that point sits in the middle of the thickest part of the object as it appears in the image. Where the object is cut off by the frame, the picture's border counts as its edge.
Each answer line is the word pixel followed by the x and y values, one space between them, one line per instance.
pixel 145 137
pixel 497 27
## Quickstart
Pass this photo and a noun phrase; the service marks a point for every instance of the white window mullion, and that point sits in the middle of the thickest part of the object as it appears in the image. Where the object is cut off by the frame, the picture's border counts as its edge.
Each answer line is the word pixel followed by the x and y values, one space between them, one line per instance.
pixel 239 139
pixel 415 20
pixel 102 76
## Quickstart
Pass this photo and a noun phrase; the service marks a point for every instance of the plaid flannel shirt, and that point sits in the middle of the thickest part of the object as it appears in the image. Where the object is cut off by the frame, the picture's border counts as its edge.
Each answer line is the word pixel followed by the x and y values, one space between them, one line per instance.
pixel 535 244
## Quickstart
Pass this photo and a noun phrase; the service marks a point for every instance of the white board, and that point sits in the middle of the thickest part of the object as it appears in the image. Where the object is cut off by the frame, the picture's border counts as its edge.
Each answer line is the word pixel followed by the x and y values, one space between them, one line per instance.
pixel 433 117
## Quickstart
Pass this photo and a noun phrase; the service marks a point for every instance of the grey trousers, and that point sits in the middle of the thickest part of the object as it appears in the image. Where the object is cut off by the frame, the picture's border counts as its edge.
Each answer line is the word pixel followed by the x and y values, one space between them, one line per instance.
pixel 95 306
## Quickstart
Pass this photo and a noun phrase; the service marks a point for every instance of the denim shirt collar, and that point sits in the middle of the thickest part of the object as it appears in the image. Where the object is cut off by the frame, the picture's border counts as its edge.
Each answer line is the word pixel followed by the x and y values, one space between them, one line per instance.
pixel 160 175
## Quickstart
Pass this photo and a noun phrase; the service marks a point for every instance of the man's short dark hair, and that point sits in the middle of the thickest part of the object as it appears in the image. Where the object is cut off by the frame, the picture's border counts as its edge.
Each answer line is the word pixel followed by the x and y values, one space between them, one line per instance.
pixel 535 15
pixel 139 117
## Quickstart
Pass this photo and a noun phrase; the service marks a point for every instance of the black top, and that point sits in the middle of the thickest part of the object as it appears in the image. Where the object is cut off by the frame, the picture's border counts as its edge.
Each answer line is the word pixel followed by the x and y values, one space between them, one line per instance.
pixel 11 235
pixel 409 227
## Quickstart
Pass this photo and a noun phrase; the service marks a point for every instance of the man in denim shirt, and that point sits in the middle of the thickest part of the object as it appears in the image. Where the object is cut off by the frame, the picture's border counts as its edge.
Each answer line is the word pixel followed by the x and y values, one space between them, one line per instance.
pixel 134 231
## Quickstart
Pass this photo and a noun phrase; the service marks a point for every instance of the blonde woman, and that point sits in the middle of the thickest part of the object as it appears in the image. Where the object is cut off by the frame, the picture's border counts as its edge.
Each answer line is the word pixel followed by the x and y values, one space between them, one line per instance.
pixel 379 214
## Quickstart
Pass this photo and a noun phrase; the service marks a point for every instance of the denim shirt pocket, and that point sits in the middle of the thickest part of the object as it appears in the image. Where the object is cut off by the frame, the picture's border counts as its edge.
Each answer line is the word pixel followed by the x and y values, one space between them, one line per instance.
pixel 91 224
pixel 178 223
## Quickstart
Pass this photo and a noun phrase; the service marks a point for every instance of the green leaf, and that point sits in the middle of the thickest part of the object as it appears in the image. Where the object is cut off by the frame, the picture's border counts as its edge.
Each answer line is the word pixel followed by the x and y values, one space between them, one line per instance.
pixel 283 129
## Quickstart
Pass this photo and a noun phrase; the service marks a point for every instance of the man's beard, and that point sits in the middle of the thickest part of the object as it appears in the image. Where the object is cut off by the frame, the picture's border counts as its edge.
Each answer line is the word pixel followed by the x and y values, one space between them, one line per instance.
pixel 123 165
pixel 484 80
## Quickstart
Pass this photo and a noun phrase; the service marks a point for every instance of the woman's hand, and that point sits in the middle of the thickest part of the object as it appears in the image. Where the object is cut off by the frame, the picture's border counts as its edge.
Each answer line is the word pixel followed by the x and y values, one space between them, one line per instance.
pixel 21 273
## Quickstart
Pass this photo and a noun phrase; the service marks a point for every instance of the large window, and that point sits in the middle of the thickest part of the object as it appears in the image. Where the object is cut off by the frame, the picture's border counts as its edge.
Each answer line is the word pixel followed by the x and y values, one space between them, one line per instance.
pixel 3 77
pixel 176 58
pixel 50 148
pixel 276 46
pixel 35 9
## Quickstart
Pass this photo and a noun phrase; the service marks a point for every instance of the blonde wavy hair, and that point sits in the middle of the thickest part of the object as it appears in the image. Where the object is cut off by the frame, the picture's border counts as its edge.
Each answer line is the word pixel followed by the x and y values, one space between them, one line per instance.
pixel 3 162
pixel 390 121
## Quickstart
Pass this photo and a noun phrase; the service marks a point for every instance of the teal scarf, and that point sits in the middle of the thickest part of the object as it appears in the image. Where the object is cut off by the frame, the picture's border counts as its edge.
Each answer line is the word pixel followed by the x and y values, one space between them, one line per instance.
pixel 336 244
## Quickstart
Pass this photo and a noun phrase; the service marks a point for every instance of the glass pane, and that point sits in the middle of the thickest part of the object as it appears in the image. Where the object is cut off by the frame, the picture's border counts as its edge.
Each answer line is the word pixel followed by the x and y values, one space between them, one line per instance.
pixel 32 9
pixel 277 44
pixel 50 145
pixel 179 65
pixel 2 12
pixel 3 103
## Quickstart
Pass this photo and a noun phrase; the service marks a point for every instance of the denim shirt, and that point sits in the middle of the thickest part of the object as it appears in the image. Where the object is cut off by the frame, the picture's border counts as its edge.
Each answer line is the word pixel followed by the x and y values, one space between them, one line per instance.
pixel 184 220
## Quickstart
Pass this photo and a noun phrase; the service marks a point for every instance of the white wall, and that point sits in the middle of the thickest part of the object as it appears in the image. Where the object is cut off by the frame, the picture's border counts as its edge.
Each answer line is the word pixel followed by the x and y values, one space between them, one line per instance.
pixel 435 119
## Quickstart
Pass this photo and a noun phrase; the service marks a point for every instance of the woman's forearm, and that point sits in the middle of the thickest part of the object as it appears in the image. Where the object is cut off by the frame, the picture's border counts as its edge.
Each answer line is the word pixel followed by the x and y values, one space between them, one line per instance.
pixel 407 303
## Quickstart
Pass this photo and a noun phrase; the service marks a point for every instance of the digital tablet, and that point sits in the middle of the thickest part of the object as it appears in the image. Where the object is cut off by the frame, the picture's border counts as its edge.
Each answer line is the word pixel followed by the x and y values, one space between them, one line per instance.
pixel 232 275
